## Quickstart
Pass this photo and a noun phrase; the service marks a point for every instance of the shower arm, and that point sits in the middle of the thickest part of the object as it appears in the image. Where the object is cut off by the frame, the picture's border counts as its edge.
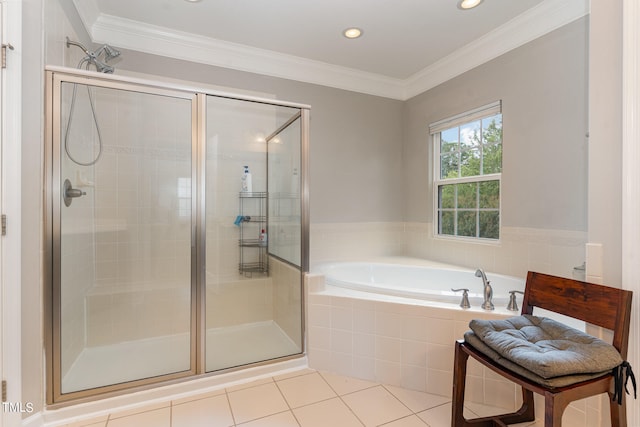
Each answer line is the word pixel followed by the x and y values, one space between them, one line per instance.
pixel 84 49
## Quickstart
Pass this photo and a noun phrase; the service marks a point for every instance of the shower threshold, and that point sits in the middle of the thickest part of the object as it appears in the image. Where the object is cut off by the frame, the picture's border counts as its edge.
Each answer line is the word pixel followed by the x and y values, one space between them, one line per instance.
pixel 226 347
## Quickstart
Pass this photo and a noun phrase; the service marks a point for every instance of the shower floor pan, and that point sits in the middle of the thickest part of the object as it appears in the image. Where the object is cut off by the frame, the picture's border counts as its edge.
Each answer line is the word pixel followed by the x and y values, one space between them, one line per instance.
pixel 227 347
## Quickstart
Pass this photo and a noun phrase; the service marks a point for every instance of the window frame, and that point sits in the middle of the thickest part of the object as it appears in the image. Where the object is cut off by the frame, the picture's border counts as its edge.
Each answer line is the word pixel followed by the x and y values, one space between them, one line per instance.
pixel 435 131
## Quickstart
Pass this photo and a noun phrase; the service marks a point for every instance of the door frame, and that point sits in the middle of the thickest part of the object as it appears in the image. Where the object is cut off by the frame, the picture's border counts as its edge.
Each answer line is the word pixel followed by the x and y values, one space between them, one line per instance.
pixel 10 205
pixel 54 77
pixel 53 231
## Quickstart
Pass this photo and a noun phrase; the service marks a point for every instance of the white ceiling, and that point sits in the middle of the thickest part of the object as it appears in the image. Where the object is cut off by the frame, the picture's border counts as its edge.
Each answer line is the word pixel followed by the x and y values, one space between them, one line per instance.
pixel 408 46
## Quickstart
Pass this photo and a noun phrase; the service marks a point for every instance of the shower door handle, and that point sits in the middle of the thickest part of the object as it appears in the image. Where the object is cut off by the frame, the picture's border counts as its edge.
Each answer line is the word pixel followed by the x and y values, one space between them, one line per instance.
pixel 69 193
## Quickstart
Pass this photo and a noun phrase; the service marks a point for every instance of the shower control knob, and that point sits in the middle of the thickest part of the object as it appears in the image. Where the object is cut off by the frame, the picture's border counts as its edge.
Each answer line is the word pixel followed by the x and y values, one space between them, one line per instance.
pixel 69 193
pixel 74 192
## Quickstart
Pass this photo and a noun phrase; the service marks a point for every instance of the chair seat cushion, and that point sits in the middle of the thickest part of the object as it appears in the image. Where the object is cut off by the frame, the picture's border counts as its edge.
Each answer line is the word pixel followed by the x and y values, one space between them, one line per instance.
pixel 546 348
pixel 562 381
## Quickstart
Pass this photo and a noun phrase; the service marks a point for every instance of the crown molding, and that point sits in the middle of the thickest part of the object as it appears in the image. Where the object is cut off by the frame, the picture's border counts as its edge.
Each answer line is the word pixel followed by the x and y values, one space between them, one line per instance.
pixel 190 47
pixel 89 12
pixel 536 22
pixel 134 35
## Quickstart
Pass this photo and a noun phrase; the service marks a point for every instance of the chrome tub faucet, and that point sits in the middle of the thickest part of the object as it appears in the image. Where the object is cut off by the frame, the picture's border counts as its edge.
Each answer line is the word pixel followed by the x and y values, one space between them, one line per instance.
pixel 488 290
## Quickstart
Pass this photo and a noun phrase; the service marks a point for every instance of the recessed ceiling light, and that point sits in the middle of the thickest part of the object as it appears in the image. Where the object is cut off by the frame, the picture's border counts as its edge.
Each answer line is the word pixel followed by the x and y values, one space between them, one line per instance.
pixel 468 4
pixel 192 1
pixel 352 33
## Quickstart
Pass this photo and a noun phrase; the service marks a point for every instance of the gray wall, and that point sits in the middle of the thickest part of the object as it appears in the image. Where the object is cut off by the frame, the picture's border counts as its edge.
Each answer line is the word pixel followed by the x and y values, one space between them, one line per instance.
pixel 31 198
pixel 605 147
pixel 543 87
pixel 356 139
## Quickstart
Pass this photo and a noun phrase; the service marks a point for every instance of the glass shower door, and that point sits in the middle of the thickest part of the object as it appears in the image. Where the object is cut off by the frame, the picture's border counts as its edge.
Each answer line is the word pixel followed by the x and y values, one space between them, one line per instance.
pixel 164 260
pixel 285 192
pixel 123 263
pixel 253 304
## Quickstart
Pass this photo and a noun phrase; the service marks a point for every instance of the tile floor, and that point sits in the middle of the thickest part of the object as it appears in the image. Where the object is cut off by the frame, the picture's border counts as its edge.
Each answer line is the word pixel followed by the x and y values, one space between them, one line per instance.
pixel 305 398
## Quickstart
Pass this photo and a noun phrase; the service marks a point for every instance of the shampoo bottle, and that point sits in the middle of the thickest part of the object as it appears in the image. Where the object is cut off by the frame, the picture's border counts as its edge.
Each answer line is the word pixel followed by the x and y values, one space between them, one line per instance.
pixel 246 181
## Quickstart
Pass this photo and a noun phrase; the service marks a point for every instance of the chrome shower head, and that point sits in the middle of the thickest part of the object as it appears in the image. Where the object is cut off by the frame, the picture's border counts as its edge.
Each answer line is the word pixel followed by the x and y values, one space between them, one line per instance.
pixel 109 52
pixel 102 67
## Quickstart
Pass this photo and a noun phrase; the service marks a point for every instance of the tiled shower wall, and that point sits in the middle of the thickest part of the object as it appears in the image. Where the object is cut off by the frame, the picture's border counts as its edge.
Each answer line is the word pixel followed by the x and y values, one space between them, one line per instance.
pixel 143 191
pixel 233 141
pixel 141 287
pixel 114 316
pixel 77 222
pixel 133 223
pixel 287 299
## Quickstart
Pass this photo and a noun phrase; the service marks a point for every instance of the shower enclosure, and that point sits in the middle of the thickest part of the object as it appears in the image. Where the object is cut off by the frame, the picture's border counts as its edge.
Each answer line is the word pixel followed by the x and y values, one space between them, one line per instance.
pixel 147 272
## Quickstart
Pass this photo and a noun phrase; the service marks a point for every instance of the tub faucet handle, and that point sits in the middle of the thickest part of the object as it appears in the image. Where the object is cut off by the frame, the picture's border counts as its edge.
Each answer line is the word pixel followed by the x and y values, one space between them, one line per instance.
pixel 465 297
pixel 513 305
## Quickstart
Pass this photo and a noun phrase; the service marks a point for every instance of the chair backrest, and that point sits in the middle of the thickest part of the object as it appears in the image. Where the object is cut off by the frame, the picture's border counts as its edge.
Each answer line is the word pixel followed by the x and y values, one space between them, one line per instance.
pixel 599 305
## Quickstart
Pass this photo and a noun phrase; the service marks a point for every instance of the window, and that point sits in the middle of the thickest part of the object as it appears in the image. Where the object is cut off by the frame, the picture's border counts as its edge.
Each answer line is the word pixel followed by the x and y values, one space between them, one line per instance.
pixel 468 167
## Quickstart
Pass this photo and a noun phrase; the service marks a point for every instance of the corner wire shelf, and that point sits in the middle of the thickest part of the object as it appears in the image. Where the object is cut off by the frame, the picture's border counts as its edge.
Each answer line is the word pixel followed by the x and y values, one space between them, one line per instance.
pixel 253 250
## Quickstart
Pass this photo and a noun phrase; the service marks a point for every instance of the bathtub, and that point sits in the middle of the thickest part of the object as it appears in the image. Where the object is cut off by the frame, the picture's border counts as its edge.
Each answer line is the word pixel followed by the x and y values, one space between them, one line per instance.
pixel 395 321
pixel 422 280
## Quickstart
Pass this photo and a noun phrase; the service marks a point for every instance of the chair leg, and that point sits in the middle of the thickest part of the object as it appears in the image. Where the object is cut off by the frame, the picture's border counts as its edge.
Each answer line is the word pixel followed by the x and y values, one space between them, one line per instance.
pixel 459 384
pixel 552 411
pixel 618 412
pixel 525 413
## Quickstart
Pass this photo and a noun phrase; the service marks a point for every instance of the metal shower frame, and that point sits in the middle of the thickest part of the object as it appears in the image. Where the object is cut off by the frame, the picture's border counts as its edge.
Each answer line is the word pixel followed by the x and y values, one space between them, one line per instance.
pixel 55 76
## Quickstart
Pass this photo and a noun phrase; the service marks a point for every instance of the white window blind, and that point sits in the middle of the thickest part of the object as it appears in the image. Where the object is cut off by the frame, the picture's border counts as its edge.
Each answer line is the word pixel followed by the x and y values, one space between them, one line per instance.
pixel 466 117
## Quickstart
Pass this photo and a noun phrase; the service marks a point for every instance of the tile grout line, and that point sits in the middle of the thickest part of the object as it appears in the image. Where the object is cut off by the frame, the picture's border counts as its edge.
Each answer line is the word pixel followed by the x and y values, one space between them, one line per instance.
pixel 342 400
pixel 233 417
pixel 351 410
pixel 403 418
pixel 388 391
pixel 285 399
pixel 351 392
pixel 398 399
pixel 260 418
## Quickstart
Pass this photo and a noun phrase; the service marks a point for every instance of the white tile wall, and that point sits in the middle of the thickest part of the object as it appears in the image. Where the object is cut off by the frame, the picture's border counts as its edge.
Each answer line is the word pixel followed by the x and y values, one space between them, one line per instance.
pixel 407 345
pixel 287 298
pixel 335 241
pixel 519 250
pixel 77 240
pixel 143 230
pixel 239 301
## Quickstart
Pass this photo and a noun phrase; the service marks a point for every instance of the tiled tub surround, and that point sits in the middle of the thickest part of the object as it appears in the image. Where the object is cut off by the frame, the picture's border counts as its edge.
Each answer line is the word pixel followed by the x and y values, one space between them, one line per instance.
pixel 519 250
pixel 393 340
pixel 409 343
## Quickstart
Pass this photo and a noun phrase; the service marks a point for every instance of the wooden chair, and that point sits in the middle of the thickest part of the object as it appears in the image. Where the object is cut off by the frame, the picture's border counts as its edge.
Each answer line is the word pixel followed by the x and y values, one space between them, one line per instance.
pixel 603 306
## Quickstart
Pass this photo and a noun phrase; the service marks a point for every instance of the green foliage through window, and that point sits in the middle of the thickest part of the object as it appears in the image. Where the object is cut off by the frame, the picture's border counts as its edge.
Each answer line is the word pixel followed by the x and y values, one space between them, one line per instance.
pixel 469 206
